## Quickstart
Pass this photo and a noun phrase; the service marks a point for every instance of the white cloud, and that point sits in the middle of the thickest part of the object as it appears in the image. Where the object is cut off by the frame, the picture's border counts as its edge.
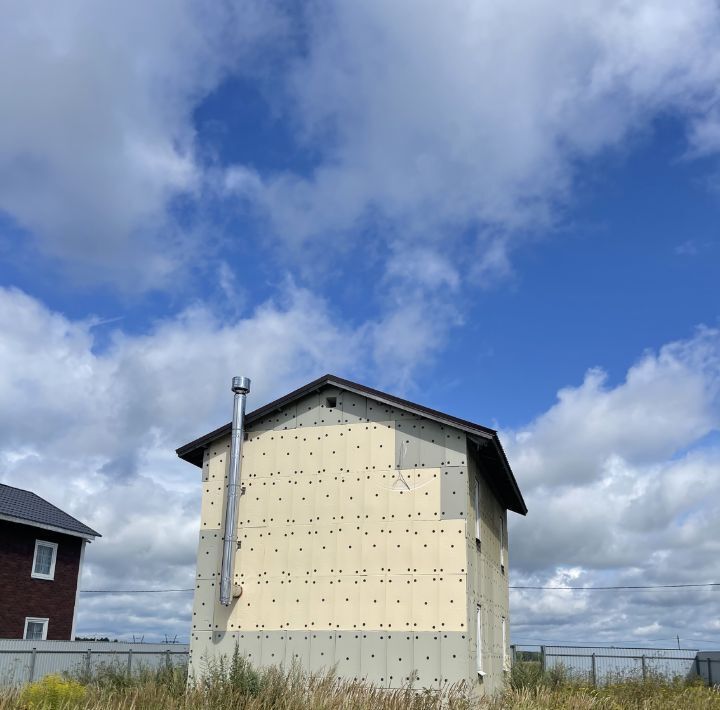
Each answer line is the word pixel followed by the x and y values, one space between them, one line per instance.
pixel 97 136
pixel 94 427
pixel 446 128
pixel 471 118
pixel 667 401
pixel 619 489
pixel 621 485
pixel 95 432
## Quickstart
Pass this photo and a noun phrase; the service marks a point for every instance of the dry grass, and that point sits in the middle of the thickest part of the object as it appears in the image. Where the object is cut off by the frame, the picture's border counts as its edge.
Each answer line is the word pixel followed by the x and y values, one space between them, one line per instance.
pixel 236 685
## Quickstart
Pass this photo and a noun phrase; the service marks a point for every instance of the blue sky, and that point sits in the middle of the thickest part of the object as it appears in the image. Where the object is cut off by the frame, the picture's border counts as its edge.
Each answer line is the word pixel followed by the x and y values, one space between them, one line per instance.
pixel 518 227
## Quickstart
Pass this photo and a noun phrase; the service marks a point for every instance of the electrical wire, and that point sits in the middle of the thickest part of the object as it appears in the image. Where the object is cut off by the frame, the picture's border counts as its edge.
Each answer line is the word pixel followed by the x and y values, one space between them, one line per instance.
pixel 645 587
pixel 627 587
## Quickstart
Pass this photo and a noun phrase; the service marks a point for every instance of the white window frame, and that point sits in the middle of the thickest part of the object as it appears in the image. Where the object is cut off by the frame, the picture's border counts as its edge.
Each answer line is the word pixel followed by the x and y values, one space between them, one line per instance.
pixel 502 543
pixel 478 640
pixel 36 620
pixel 39 575
pixel 477 508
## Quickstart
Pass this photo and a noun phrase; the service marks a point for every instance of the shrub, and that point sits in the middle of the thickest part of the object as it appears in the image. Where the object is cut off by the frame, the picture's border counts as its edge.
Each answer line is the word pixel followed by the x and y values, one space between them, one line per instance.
pixel 52 692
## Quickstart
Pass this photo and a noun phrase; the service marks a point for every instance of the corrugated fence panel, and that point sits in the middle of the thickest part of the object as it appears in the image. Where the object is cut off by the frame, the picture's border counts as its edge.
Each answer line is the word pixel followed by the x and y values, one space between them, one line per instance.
pixel 25 661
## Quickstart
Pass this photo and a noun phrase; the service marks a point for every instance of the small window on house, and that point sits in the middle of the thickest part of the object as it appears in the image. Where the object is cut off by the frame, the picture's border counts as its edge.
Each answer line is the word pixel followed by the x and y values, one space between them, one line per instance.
pixel 35 629
pixel 476 502
pixel 478 640
pixel 331 402
pixel 502 544
pixel 44 560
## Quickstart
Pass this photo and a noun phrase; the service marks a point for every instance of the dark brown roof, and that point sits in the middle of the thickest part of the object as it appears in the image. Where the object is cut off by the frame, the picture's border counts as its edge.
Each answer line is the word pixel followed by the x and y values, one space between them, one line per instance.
pixel 193 450
pixel 31 509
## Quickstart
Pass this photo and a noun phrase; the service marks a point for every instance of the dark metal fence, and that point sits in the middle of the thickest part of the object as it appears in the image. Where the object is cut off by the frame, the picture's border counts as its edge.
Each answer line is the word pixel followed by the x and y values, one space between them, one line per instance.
pixel 600 665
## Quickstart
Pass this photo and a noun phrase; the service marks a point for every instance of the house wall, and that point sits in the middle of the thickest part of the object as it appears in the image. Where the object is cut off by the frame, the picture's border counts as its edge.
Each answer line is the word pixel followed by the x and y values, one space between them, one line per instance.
pixel 487 578
pixel 22 596
pixel 354 545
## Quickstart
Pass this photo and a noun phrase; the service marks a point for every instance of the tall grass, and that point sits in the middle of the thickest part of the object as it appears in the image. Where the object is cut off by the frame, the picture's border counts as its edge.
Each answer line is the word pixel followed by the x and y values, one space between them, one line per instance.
pixel 234 684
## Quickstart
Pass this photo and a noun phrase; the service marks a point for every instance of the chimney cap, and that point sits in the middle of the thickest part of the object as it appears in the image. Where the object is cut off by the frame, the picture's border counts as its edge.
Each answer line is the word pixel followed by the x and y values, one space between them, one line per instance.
pixel 240 385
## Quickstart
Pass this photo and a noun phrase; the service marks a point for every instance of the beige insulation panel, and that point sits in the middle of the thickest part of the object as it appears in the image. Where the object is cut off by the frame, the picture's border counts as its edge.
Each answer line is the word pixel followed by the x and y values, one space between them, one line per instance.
pixel 357 547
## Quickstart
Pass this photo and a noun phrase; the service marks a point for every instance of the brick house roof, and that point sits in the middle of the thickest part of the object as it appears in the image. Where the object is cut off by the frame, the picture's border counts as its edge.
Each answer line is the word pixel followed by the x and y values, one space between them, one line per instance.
pixel 29 508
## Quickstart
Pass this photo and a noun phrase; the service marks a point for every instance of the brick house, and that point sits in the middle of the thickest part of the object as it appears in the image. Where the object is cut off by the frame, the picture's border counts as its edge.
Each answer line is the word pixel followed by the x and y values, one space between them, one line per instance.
pixel 41 554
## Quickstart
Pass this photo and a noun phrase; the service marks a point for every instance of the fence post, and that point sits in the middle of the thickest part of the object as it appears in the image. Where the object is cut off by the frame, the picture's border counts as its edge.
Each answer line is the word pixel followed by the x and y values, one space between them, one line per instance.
pixel 542 659
pixel 644 669
pixel 710 678
pixel 697 665
pixel 129 667
pixel 512 653
pixel 594 671
pixel 88 663
pixel 33 655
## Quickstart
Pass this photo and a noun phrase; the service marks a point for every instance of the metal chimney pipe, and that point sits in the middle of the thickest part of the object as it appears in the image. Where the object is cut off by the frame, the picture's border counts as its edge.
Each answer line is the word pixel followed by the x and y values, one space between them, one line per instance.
pixel 240 387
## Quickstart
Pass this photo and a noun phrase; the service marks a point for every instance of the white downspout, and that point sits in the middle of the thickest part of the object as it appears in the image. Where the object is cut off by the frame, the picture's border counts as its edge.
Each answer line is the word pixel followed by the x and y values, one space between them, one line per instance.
pixel 77 588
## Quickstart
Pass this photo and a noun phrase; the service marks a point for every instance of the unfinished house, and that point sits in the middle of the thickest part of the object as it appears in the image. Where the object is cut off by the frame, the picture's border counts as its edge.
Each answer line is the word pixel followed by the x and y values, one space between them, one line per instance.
pixel 368 533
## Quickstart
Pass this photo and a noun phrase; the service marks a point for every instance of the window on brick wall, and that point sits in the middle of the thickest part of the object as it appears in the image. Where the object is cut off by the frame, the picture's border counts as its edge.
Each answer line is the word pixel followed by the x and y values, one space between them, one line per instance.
pixel 44 560
pixel 35 629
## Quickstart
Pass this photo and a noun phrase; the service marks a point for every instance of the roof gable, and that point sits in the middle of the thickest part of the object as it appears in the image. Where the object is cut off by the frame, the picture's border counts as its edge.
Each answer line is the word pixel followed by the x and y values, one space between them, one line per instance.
pixel 193 450
pixel 28 508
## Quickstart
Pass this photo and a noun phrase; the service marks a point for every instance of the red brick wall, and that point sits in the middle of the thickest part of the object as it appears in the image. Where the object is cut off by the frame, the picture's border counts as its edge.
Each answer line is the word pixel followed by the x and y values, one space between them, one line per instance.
pixel 22 596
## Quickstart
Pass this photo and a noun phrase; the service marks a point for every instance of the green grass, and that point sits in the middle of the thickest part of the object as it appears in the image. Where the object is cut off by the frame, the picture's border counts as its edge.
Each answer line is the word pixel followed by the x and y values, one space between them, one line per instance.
pixel 234 684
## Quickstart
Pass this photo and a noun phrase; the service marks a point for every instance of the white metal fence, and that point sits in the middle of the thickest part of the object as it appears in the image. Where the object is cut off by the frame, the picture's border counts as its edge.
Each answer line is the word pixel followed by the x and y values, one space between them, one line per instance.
pixel 26 661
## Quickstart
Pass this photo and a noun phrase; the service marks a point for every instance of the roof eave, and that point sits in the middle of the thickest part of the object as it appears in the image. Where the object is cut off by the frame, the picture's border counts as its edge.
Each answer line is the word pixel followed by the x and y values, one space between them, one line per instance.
pixel 52 528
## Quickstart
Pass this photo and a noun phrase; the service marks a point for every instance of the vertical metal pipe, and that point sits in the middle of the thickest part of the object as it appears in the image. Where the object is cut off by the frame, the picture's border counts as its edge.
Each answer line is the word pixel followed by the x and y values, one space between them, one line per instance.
pixel 240 388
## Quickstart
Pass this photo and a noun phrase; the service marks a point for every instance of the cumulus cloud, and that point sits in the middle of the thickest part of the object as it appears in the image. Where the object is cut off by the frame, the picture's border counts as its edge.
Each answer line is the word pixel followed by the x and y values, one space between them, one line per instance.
pixel 92 423
pixel 620 478
pixel 95 430
pixel 446 126
pixel 97 140
pixel 668 400
pixel 447 137
pixel 621 482
pixel 469 119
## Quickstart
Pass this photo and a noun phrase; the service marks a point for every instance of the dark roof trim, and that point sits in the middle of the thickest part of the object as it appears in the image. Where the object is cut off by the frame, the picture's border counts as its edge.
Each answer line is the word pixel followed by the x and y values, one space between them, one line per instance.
pixel 185 451
pixel 193 450
pixel 51 528
pixel 512 494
